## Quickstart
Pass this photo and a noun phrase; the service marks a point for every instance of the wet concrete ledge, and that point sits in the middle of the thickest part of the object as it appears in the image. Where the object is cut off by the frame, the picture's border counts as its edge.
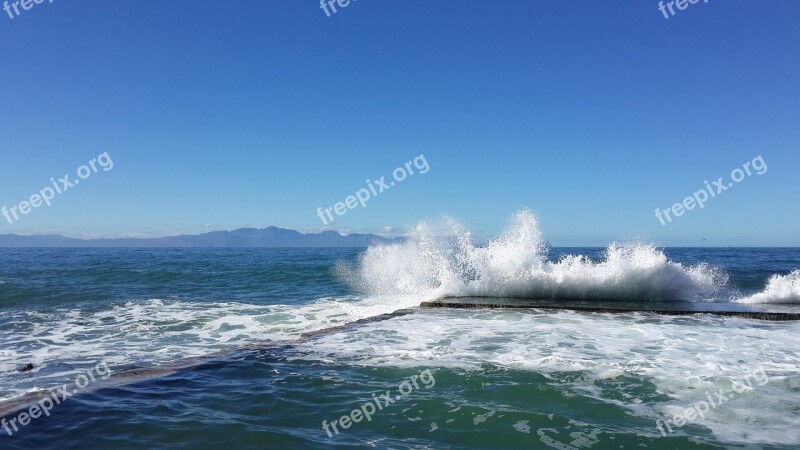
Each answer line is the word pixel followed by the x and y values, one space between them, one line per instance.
pixel 777 313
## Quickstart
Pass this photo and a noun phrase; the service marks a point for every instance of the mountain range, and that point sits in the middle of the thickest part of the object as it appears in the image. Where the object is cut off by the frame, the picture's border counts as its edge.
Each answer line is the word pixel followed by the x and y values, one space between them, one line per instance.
pixel 243 237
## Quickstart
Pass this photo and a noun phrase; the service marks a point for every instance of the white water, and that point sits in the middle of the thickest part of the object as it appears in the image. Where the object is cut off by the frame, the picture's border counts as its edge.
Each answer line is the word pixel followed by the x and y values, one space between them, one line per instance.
pixel 445 263
pixel 150 332
pixel 434 262
pixel 685 358
pixel 780 289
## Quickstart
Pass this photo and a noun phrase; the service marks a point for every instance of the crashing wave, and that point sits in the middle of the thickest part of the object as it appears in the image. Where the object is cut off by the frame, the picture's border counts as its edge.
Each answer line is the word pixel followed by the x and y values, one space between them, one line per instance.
pixel 438 263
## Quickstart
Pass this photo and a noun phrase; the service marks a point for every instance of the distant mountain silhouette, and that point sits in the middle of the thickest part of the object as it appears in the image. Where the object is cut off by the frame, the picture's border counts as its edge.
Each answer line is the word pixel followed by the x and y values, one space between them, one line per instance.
pixel 243 237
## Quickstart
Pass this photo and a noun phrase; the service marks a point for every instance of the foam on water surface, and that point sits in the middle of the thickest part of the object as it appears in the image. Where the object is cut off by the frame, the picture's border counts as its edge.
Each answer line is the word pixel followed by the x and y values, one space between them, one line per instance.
pixel 149 332
pixel 685 359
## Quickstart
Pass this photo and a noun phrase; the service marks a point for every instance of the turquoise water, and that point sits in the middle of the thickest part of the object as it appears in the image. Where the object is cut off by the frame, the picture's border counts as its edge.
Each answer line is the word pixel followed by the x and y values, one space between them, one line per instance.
pixel 484 378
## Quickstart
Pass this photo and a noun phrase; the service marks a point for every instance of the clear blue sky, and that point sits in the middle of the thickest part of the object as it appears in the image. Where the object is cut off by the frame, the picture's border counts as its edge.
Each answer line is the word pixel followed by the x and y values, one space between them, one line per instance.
pixel 220 115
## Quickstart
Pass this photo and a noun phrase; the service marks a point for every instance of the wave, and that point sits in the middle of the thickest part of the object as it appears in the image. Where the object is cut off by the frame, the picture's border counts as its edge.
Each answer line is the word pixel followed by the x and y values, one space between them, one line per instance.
pixel 440 262
pixel 780 289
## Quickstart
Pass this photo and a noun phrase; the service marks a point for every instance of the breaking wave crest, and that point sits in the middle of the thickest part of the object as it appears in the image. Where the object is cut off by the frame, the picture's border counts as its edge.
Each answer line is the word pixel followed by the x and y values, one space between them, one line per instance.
pixel 780 289
pixel 439 262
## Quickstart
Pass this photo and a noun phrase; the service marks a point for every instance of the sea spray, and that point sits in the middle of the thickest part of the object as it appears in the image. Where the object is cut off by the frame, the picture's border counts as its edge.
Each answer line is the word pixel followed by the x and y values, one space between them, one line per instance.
pixel 442 261
pixel 779 289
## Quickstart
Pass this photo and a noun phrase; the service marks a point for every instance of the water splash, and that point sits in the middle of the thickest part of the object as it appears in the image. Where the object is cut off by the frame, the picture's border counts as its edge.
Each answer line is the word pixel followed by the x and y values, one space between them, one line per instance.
pixel 780 289
pixel 438 261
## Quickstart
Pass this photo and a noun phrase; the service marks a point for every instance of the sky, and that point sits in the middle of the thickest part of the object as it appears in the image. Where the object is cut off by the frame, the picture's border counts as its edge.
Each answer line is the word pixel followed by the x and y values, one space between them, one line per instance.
pixel 220 115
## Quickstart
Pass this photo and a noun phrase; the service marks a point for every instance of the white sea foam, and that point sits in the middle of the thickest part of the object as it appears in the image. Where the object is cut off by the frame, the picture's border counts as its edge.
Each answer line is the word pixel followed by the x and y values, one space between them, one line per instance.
pixel 438 262
pixel 780 289
pixel 433 262
pixel 684 358
pixel 681 356
pixel 150 332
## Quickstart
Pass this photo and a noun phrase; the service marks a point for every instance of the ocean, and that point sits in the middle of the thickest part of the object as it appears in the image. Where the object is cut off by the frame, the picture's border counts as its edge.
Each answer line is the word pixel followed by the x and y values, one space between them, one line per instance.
pixel 328 348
